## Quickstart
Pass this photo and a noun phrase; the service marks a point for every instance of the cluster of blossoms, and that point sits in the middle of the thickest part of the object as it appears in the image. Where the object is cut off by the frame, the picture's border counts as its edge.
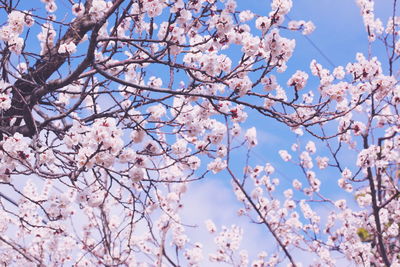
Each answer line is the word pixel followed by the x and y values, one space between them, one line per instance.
pixel 98 144
pixel 15 152
pixel 5 95
pixel 172 33
pixel 10 33
pixel 99 8
pixel 71 91
pixel 69 48
pixel 51 5
pixel 78 9
pixel 46 37
pixel 153 8
pixel 298 80
pixel 227 241
pixel 306 27
pixel 373 26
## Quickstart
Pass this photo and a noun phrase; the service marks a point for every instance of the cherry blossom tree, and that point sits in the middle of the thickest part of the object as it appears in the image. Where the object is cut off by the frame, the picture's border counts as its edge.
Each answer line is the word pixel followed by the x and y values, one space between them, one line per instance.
pixel 112 110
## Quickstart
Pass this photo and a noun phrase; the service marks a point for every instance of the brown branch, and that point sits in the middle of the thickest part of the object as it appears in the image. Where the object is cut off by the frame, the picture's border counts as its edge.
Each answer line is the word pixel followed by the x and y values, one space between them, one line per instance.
pixel 375 210
pixel 29 89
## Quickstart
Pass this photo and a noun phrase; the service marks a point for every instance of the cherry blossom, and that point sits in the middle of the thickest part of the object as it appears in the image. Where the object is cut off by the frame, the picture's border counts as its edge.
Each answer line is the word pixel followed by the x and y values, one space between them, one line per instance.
pixel 113 114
